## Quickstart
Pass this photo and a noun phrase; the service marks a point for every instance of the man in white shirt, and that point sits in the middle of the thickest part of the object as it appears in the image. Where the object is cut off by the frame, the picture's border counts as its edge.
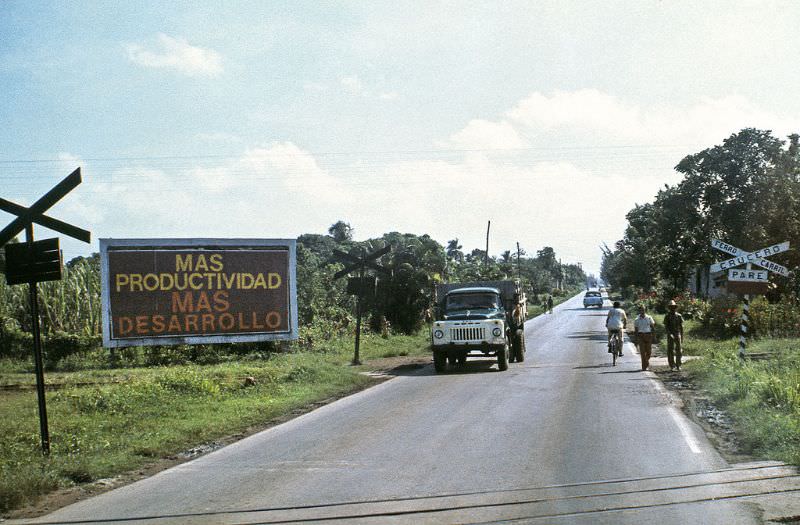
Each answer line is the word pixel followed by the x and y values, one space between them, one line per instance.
pixel 616 321
pixel 644 329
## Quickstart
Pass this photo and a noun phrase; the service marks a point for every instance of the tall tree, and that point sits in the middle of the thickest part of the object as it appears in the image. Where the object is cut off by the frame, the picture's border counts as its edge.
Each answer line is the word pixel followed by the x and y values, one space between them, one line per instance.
pixel 341 231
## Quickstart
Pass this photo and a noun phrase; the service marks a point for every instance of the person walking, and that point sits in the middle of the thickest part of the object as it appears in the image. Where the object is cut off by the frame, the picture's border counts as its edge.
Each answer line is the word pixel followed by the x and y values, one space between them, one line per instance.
pixel 673 324
pixel 550 304
pixel 644 329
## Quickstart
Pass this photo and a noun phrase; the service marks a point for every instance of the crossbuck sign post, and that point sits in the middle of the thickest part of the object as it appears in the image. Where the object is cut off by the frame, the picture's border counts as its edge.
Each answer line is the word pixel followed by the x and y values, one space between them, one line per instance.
pixel 360 263
pixel 748 280
pixel 37 261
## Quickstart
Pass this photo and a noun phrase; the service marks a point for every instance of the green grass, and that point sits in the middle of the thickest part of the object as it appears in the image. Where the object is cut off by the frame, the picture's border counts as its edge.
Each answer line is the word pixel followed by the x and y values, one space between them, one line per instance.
pixel 106 422
pixel 761 396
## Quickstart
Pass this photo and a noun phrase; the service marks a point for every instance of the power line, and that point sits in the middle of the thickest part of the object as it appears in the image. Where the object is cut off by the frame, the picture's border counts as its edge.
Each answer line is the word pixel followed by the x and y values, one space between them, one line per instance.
pixel 352 152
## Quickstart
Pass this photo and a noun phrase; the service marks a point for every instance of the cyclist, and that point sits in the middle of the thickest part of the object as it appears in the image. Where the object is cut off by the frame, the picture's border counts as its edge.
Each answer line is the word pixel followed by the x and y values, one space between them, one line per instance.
pixel 616 322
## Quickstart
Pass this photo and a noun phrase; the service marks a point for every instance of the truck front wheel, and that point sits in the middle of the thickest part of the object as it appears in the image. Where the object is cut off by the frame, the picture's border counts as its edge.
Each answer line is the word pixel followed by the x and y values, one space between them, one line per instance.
pixel 439 362
pixel 502 358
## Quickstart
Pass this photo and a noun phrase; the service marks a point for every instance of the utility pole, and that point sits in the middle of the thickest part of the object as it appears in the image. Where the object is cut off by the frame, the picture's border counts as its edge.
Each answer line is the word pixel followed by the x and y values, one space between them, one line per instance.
pixel 486 255
pixel 519 264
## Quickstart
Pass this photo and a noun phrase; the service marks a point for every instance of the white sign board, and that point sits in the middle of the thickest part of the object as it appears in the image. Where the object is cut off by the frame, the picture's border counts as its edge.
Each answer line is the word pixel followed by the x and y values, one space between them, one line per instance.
pixel 757 257
pixel 749 276
pixel 725 247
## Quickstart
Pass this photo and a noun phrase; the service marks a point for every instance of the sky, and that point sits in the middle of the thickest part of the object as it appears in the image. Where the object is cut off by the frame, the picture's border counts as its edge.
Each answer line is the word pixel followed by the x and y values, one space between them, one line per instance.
pixel 268 119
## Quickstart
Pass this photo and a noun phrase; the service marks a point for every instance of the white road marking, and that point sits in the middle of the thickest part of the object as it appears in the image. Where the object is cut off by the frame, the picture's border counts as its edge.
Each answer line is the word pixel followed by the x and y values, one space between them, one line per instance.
pixel 677 417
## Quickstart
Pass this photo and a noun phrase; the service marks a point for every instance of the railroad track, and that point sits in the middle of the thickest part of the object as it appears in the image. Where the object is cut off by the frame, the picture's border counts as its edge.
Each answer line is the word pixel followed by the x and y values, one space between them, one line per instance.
pixel 640 499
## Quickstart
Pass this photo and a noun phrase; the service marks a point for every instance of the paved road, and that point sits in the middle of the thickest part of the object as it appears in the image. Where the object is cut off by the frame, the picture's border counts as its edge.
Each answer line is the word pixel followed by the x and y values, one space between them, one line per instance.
pixel 561 438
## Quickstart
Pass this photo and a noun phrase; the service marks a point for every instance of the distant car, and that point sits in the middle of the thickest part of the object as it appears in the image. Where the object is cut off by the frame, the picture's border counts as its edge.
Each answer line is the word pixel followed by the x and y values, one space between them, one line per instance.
pixel 592 298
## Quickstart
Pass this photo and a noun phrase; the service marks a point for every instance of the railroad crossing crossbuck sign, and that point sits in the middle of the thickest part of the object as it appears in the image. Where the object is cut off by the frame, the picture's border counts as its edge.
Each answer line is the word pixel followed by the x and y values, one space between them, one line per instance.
pixel 748 281
pixel 35 261
pixel 360 284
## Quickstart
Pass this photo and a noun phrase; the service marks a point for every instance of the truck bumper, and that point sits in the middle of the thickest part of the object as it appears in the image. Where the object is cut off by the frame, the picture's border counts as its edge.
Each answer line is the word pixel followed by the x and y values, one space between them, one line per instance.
pixel 478 349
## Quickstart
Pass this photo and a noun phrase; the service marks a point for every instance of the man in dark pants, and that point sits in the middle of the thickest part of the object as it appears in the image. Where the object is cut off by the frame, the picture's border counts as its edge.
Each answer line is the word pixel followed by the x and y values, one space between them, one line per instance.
pixel 673 324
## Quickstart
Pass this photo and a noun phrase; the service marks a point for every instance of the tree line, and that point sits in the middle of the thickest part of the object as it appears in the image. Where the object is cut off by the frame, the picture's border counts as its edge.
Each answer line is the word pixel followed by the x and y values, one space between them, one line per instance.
pixel 745 192
pixel 416 262
pixel 400 302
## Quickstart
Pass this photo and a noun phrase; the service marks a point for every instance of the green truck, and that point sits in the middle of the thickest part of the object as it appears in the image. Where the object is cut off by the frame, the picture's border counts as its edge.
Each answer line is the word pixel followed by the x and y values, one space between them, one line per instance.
pixel 478 319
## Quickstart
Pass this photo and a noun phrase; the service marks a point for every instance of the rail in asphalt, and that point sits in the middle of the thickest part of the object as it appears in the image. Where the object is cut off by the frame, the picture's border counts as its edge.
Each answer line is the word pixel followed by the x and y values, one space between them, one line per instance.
pixel 603 500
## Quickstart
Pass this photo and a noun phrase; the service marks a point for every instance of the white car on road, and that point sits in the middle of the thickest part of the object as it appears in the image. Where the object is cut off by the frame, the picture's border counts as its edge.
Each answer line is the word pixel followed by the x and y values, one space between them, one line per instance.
pixel 592 298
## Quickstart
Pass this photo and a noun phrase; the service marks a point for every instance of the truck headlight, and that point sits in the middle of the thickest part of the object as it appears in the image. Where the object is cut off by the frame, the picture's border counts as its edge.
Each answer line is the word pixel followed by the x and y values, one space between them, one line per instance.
pixel 497 332
pixel 438 334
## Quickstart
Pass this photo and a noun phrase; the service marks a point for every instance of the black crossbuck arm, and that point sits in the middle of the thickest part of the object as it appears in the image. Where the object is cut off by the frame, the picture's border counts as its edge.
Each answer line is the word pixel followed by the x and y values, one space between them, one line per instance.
pixel 34 212
pixel 48 222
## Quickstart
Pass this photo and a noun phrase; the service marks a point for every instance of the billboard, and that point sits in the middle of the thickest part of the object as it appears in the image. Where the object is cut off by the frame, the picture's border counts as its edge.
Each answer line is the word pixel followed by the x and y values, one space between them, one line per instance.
pixel 197 291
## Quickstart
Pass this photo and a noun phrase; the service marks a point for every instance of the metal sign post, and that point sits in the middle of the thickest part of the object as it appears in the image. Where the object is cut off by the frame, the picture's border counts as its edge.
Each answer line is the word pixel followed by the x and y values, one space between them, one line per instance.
pixel 36 262
pixel 366 260
pixel 748 281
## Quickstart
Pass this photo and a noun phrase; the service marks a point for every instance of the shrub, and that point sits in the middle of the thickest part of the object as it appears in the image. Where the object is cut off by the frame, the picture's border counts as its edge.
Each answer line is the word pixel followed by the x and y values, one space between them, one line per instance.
pixel 189 381
pixel 781 319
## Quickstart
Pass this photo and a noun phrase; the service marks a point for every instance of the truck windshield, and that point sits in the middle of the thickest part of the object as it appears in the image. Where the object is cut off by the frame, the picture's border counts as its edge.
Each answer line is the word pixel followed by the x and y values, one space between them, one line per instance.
pixel 471 301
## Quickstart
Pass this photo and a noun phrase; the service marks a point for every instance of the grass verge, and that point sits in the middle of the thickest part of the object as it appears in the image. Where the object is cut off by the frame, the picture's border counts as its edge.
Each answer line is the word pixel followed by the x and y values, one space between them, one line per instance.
pixel 107 422
pixel 762 396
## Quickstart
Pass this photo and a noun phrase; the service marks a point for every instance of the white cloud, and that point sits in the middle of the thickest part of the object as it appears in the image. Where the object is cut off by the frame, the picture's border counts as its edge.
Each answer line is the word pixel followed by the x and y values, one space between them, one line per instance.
pixel 588 109
pixel 569 198
pixel 214 180
pixel 315 87
pixel 286 165
pixel 178 55
pixel 270 191
pixel 486 135
pixel 69 158
pixel 609 120
pixel 353 84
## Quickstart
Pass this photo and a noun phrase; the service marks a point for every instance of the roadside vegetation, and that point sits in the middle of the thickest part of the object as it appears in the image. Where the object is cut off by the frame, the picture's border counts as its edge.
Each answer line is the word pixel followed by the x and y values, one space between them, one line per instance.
pixel 113 412
pixel 104 422
pixel 761 395
pixel 745 192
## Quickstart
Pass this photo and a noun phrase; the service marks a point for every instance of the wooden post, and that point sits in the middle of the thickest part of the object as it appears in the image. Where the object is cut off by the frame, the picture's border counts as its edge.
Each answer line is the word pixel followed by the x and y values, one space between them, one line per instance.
pixel 37 353
pixel 744 326
pixel 486 255
pixel 745 322
pixel 356 357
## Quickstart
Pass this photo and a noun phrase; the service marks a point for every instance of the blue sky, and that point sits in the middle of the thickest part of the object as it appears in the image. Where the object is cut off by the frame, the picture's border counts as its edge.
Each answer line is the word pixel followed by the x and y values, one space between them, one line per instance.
pixel 272 119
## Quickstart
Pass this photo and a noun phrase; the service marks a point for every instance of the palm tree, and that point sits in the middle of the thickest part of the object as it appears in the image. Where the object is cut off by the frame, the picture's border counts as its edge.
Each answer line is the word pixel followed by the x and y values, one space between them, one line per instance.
pixel 454 250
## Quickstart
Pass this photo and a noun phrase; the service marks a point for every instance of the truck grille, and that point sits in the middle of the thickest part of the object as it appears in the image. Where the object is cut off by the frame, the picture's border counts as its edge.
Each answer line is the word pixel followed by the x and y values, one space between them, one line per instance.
pixel 467 334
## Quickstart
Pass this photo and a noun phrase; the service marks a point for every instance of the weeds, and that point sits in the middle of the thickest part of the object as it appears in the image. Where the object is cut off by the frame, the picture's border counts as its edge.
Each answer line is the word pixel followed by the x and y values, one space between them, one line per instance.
pixel 105 422
pixel 762 396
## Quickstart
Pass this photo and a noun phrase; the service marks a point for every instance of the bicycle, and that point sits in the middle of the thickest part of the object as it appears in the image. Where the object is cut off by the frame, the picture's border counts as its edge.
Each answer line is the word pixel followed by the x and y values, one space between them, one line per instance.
pixel 616 346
